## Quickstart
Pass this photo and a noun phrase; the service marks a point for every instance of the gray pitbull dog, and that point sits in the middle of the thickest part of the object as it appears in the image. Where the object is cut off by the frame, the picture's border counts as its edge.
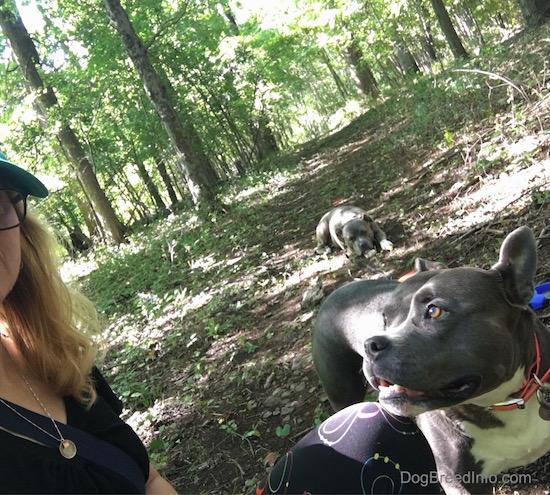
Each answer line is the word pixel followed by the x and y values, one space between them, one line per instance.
pixel 350 315
pixel 461 350
pixel 351 229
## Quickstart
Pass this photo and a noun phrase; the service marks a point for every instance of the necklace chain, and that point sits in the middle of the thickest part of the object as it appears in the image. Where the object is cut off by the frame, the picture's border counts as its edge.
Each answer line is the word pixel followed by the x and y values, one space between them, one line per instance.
pixel 29 421
pixel 67 448
pixel 61 439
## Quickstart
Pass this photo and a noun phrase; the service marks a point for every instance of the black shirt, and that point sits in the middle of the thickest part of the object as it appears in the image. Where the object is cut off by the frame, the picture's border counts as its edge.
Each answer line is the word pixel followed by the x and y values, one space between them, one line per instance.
pixel 28 467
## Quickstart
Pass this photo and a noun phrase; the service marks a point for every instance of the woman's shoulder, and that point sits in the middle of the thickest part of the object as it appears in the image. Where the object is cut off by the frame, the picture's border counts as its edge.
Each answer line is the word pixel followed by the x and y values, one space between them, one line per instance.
pixel 104 391
pixel 102 415
pixel 102 421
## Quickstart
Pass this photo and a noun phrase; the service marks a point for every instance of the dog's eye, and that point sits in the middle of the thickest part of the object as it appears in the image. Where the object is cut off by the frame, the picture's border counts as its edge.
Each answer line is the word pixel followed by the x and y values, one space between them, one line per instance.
pixel 433 311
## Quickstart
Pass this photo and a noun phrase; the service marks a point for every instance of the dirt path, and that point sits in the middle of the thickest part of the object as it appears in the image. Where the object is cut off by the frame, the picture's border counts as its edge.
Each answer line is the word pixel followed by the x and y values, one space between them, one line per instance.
pixel 243 377
pixel 255 393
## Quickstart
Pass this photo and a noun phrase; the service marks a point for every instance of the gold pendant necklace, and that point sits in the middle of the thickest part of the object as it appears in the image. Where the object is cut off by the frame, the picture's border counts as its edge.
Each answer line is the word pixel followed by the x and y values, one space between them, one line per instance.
pixel 67 448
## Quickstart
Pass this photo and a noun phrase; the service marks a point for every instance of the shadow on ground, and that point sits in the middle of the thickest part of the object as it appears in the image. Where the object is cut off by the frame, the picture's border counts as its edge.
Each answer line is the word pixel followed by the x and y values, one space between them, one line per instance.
pixel 224 365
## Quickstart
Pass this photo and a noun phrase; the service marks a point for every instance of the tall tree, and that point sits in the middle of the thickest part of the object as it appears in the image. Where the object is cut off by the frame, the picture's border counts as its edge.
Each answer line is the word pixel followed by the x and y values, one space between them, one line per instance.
pixel 335 76
pixel 163 172
pixel 149 184
pixel 535 12
pixel 199 174
pixel 45 101
pixel 405 58
pixel 427 36
pixel 263 138
pixel 448 29
pixel 365 77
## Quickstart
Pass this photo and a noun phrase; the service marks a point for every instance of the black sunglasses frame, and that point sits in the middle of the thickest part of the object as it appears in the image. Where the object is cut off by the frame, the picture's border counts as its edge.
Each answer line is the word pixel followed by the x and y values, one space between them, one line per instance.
pixel 24 197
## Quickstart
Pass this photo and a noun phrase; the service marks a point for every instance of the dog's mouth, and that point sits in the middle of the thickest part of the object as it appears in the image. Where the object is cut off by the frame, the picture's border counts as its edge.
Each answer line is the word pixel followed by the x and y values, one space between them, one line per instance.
pixel 455 391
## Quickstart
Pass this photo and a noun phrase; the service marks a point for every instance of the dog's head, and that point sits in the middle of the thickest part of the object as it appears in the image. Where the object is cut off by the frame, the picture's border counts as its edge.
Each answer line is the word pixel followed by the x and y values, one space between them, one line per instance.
pixel 455 335
pixel 358 238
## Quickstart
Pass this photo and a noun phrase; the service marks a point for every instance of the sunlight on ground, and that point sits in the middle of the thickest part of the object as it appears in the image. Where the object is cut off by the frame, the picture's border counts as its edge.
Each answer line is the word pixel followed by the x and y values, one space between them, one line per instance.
pixel 206 263
pixel 324 265
pixel 496 193
pixel 144 422
pixel 129 328
pixel 274 186
pixel 168 229
pixel 72 270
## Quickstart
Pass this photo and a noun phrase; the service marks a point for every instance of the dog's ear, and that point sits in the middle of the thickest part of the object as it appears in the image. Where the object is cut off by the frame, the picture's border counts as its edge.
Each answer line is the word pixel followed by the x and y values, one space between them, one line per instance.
pixel 367 218
pixel 517 265
pixel 422 265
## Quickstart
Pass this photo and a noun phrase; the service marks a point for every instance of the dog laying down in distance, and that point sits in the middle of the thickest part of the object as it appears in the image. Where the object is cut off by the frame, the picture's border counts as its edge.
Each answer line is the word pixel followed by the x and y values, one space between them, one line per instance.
pixel 352 230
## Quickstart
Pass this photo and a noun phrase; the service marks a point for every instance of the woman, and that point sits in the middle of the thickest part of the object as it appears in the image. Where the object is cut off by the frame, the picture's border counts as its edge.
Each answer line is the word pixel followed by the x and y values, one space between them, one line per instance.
pixel 60 430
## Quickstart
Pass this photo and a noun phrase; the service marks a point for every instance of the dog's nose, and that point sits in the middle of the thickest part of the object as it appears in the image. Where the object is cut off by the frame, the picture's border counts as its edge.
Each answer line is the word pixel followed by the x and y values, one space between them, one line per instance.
pixel 365 245
pixel 375 345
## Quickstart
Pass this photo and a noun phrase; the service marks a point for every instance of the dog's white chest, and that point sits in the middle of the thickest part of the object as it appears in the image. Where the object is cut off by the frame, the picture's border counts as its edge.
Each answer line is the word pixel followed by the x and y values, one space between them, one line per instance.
pixel 523 439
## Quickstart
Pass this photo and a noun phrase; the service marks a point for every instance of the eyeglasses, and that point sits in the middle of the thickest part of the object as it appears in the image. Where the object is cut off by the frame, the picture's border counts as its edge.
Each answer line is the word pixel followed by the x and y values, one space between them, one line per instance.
pixel 13 208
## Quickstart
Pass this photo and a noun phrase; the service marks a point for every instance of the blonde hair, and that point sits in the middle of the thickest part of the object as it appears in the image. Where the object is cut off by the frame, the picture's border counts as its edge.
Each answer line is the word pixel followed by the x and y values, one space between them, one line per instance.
pixel 47 319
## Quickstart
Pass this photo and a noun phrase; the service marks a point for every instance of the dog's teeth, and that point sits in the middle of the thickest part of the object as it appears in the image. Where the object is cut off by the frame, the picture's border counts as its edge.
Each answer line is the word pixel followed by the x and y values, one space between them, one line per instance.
pixel 463 387
pixel 404 390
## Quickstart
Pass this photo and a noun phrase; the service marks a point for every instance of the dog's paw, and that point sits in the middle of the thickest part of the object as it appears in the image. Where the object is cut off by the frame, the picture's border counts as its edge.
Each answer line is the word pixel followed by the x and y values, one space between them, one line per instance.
pixel 322 250
pixel 370 254
pixel 386 245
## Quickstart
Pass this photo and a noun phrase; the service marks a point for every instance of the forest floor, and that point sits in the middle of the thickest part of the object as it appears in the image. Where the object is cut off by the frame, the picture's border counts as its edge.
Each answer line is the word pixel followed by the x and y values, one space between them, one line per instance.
pixel 212 352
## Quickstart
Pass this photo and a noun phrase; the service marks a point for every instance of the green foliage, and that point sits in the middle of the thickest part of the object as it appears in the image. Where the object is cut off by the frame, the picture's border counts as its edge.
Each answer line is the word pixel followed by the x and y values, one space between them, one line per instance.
pixel 209 289
pixel 229 427
pixel 282 68
pixel 319 415
pixel 159 452
pixel 283 430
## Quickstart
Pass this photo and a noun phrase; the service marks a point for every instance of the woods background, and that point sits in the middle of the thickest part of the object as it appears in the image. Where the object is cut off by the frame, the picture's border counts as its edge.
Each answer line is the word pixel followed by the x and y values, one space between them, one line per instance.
pixel 132 111
pixel 191 147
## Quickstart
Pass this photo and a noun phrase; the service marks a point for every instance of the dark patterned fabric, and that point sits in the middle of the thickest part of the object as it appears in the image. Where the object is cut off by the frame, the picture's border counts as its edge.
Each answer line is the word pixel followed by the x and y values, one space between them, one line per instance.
pixel 359 450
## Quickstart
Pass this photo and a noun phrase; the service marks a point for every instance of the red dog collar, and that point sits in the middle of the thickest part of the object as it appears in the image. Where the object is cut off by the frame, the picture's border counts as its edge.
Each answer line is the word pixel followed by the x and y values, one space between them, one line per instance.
pixel 532 385
pixel 529 389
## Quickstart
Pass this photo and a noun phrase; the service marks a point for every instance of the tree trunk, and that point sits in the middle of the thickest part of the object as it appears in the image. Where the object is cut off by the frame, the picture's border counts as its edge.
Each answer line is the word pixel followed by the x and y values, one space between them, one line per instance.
pixel 390 72
pixel 365 78
pixel 177 180
pixel 122 182
pixel 405 58
pixel 427 36
pixel 448 29
pixel 87 214
pixel 150 185
pixel 161 167
pixel 535 12
pixel 45 99
pixel 470 17
pixel 499 21
pixel 84 169
pixel 337 79
pixel 264 140
pixel 79 242
pixel 200 176
pixel 262 135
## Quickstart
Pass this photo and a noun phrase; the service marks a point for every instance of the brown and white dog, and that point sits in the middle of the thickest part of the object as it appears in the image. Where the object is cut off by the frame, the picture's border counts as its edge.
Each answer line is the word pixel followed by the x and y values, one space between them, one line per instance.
pixel 351 229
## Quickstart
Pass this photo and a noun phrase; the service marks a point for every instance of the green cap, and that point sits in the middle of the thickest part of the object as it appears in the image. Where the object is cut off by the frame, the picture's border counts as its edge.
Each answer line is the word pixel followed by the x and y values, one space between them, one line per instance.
pixel 13 176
